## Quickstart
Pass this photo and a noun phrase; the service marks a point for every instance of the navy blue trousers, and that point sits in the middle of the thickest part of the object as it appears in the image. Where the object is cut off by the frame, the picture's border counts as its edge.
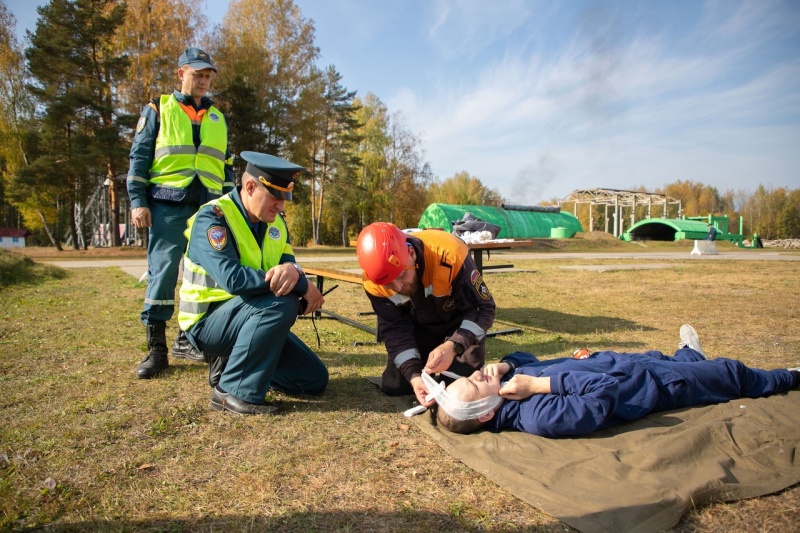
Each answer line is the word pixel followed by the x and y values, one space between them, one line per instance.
pixel 253 332
pixel 165 249
pixel 686 379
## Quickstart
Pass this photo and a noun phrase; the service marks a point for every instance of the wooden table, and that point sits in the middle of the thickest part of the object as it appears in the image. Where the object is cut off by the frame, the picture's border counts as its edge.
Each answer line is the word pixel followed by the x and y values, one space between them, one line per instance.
pixel 341 275
pixel 349 277
pixel 478 248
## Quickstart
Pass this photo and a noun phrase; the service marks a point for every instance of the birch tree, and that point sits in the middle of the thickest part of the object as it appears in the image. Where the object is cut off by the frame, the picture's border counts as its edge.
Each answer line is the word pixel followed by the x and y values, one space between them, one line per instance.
pixel 16 115
pixel 373 117
pixel 328 132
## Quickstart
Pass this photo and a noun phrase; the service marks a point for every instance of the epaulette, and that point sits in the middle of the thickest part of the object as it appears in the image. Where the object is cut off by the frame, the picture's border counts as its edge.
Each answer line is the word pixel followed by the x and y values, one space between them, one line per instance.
pixel 218 211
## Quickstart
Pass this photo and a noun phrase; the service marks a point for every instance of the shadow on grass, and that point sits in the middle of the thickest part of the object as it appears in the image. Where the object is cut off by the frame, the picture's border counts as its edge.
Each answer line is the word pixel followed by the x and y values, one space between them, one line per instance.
pixel 556 324
pixel 371 520
pixel 546 349
pixel 572 324
pixel 344 393
pixel 541 319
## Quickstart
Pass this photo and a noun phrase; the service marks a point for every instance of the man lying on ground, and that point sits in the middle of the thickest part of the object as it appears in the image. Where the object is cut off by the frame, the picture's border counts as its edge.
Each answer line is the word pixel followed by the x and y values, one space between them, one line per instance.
pixel 572 397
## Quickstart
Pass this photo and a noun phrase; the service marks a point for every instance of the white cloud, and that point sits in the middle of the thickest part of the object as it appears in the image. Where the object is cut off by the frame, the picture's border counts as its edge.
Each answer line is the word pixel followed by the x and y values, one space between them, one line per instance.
pixel 537 98
pixel 464 28
pixel 647 107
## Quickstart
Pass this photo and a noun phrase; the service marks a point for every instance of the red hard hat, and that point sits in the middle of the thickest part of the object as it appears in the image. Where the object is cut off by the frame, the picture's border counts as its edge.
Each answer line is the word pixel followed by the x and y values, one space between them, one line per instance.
pixel 382 252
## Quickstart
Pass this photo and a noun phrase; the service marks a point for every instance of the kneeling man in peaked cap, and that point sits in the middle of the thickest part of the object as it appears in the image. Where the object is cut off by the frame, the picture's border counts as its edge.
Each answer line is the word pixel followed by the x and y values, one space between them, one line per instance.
pixel 241 292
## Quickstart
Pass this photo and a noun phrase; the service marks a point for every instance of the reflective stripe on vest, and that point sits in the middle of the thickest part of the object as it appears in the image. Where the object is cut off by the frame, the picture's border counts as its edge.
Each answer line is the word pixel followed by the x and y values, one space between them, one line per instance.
pixel 177 161
pixel 199 290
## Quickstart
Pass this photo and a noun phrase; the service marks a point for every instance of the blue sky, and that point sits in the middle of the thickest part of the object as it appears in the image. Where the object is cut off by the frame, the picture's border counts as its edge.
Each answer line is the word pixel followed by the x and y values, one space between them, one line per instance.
pixel 539 98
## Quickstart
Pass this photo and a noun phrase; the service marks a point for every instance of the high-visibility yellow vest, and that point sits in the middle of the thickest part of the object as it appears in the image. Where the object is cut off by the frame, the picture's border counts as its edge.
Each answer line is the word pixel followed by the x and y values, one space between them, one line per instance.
pixel 177 160
pixel 199 290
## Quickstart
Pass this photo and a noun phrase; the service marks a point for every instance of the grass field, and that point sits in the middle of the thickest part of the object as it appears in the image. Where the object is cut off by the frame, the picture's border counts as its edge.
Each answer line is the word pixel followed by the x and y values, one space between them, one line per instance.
pixel 85 446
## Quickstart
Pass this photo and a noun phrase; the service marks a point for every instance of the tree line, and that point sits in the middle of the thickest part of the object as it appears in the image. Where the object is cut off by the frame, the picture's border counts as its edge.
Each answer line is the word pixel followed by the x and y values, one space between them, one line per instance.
pixel 771 213
pixel 69 101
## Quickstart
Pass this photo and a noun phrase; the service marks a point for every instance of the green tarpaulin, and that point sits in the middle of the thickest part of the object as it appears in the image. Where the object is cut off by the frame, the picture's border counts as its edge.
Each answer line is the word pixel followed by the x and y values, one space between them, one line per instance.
pixel 514 224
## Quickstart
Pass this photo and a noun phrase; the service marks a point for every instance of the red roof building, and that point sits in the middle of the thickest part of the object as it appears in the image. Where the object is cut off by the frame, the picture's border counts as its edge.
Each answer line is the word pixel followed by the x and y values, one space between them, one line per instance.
pixel 13 237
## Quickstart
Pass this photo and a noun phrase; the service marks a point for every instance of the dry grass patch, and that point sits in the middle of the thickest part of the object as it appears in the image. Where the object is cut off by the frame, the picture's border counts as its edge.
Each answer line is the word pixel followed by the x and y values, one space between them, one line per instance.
pixel 84 445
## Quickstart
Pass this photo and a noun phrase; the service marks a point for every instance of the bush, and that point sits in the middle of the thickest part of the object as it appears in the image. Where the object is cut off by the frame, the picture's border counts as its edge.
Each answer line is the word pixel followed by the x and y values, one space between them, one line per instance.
pixel 16 268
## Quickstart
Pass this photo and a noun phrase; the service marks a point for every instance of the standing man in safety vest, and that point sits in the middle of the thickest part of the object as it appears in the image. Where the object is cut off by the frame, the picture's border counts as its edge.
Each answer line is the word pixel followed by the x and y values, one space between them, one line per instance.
pixel 179 160
pixel 432 304
pixel 241 293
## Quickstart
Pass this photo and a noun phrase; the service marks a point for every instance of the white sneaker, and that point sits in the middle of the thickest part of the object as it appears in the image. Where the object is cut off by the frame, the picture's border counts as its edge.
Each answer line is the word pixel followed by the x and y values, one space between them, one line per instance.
pixel 689 338
pixel 795 376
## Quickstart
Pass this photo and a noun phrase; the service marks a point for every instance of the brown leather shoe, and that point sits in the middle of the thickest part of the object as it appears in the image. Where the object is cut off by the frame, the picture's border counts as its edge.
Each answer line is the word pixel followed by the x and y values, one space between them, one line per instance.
pixel 223 401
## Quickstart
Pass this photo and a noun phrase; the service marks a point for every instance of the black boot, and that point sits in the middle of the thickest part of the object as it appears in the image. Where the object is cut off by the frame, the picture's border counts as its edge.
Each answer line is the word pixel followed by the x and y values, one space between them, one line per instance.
pixel 183 349
pixel 215 369
pixel 156 359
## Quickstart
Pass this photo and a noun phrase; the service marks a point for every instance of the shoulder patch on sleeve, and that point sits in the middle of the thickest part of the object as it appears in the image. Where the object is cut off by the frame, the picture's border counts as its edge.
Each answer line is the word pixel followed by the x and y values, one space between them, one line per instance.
pixel 480 286
pixel 217 237
pixel 140 124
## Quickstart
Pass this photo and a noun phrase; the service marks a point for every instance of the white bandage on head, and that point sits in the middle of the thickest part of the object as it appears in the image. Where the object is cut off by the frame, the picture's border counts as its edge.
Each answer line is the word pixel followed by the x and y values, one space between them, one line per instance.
pixel 456 408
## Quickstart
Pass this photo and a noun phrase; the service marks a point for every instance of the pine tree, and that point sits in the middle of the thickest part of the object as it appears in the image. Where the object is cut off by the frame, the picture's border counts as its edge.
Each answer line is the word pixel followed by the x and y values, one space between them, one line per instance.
pixel 328 134
pixel 80 136
pixel 16 114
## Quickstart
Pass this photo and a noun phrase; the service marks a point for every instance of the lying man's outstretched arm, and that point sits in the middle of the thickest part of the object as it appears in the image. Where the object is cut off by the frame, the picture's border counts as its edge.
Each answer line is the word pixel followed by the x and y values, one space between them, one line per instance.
pixel 578 403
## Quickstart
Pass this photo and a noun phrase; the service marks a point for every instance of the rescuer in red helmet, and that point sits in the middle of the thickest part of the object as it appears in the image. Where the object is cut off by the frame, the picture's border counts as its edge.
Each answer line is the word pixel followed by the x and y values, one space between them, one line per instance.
pixel 432 304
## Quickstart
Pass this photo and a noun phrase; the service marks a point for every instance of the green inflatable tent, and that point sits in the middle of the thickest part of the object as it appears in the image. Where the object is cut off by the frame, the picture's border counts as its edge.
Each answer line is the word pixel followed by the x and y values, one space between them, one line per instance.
pixel 515 222
pixel 671 229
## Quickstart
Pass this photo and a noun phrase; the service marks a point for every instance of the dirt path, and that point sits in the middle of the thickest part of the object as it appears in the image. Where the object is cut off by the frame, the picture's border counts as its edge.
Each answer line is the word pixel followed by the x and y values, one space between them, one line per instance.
pixel 137 267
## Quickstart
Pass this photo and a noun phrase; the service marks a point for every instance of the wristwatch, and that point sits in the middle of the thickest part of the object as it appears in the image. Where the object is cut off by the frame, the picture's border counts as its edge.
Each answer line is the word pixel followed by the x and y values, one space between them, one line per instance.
pixel 299 269
pixel 458 347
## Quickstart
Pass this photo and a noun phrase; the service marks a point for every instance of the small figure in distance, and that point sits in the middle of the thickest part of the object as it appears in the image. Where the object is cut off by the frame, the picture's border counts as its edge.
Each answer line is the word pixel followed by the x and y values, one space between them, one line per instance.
pixel 712 233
